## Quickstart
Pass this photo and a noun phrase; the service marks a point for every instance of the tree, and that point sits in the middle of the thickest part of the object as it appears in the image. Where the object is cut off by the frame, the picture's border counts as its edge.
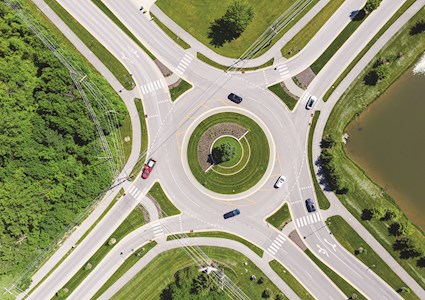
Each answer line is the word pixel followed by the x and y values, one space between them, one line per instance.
pixel 328 142
pixel 261 280
pixel 382 71
pixel 280 297
pixel 371 5
pixel 232 24
pixel 267 293
pixel 418 28
pixel 223 153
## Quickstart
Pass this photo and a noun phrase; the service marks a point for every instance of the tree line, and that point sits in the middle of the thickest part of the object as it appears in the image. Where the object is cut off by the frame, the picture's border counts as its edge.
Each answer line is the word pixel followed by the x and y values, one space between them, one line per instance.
pixel 49 165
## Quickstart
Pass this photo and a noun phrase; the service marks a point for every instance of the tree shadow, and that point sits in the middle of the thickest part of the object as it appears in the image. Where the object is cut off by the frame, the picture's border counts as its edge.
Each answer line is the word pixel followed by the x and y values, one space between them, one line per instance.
pixel 220 32
pixel 418 28
pixel 371 78
pixel 367 214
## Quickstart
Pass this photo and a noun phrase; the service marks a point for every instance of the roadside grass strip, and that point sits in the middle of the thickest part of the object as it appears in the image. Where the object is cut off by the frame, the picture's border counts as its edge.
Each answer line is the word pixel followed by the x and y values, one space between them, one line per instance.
pixel 281 217
pixel 126 131
pixel 112 63
pixel 354 244
pixel 321 198
pixel 196 19
pixel 290 280
pixel 150 282
pixel 167 207
pixel 343 285
pixel 171 34
pixel 128 263
pixel 117 21
pixel 144 131
pixel 219 234
pixel 248 176
pixel 212 63
pixel 288 100
pixel 363 193
pixel 401 10
pixel 133 221
pixel 183 86
pixel 339 41
pixel 304 36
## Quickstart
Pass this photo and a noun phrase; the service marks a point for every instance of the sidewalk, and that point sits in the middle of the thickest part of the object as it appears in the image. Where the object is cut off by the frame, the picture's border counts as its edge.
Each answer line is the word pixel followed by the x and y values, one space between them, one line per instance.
pixel 273 52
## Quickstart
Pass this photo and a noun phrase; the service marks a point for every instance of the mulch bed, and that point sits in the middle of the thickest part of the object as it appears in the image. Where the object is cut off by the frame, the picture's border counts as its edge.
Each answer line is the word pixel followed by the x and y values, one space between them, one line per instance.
pixel 165 71
pixel 297 240
pixel 209 136
pixel 305 78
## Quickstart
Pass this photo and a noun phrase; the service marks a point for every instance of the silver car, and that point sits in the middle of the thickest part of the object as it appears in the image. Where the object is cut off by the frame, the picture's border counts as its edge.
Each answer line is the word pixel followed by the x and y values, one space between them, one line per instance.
pixel 279 182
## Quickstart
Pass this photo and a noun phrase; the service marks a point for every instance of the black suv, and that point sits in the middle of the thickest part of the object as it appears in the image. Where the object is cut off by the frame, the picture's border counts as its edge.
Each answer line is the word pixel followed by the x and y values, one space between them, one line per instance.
pixel 234 98
pixel 310 205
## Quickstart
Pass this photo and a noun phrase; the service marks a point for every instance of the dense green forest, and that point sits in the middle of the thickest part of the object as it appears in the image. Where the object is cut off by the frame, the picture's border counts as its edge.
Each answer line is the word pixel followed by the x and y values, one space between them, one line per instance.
pixel 49 153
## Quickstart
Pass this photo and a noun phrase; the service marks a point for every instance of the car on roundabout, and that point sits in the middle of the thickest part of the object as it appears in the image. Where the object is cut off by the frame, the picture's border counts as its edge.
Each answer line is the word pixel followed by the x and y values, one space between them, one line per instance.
pixel 279 182
pixel 231 214
pixel 147 168
pixel 311 207
pixel 234 98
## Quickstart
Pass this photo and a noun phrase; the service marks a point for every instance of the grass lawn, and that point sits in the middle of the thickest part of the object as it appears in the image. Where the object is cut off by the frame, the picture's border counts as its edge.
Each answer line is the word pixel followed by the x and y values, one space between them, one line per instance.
pixel 126 130
pixel 401 10
pixel 151 280
pixel 183 86
pixel 352 241
pixel 363 192
pixel 167 207
pixel 302 38
pixel 129 262
pixel 321 198
pixel 288 100
pixel 246 177
pixel 117 21
pixel 219 234
pixel 133 221
pixel 196 18
pixel 290 280
pixel 212 63
pixel 339 41
pixel 343 285
pixel 171 34
pixel 281 217
pixel 237 150
pixel 145 139
pixel 112 63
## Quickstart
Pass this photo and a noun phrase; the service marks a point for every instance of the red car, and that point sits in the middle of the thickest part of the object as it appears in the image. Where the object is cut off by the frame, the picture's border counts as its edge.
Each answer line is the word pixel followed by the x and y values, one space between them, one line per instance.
pixel 147 168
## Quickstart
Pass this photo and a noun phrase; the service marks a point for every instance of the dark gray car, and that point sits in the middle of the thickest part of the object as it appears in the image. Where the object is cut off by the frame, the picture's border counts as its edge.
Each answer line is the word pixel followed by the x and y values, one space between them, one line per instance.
pixel 310 205
pixel 234 98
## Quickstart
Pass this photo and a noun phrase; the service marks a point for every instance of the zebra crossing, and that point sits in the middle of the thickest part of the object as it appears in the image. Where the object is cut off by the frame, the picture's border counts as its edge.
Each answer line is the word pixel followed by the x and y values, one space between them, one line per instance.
pixel 135 192
pixel 157 229
pixel 152 86
pixel 283 71
pixel 277 243
pixel 307 220
pixel 184 63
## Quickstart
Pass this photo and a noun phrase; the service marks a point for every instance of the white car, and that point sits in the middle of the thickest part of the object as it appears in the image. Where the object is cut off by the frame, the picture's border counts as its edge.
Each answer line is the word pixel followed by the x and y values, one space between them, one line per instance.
pixel 310 102
pixel 279 182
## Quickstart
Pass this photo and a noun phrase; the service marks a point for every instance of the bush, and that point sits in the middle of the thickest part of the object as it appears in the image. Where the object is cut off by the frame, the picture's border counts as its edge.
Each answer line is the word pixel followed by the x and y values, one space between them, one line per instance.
pixel 267 293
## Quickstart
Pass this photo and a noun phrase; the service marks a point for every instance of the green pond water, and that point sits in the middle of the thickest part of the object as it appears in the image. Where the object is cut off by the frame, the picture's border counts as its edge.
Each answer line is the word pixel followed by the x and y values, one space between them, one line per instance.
pixel 388 142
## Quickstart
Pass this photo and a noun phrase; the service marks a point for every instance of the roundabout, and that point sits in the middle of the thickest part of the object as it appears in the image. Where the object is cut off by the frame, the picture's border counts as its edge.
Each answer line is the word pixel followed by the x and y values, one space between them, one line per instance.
pixel 249 155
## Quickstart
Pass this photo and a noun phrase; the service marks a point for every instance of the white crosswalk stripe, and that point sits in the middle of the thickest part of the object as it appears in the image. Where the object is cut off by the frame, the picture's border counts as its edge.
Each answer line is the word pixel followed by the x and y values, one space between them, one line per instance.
pixel 276 244
pixel 152 86
pixel 283 70
pixel 184 64
pixel 307 220
pixel 157 229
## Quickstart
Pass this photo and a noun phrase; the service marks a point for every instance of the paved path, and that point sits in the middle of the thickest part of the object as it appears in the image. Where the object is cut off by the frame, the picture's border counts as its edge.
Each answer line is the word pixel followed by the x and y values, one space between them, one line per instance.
pixel 261 263
pixel 336 207
pixel 293 88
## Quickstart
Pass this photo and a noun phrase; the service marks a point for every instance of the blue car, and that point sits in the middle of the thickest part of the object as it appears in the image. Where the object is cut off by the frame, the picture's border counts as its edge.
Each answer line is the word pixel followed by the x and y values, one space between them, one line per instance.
pixel 232 213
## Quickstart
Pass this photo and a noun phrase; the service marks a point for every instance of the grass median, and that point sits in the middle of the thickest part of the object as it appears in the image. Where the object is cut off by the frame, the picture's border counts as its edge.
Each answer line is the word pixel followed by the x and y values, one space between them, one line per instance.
pixel 212 63
pixel 145 139
pixel 288 100
pixel 150 282
pixel 354 244
pixel 401 10
pixel 363 193
pixel 281 217
pixel 167 207
pixel 110 61
pixel 301 39
pixel 171 34
pixel 178 90
pixel 133 221
pixel 219 234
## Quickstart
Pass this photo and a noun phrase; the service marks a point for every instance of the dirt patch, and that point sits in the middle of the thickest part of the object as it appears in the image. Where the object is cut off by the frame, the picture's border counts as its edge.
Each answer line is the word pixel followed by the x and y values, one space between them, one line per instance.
pixel 304 78
pixel 297 240
pixel 209 136
pixel 165 71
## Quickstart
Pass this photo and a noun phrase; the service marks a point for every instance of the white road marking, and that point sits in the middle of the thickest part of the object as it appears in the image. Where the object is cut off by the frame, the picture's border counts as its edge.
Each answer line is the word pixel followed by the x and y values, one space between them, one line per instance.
pixel 298 223
pixel 314 217
pixel 155 84
pixel 332 245
pixel 280 238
